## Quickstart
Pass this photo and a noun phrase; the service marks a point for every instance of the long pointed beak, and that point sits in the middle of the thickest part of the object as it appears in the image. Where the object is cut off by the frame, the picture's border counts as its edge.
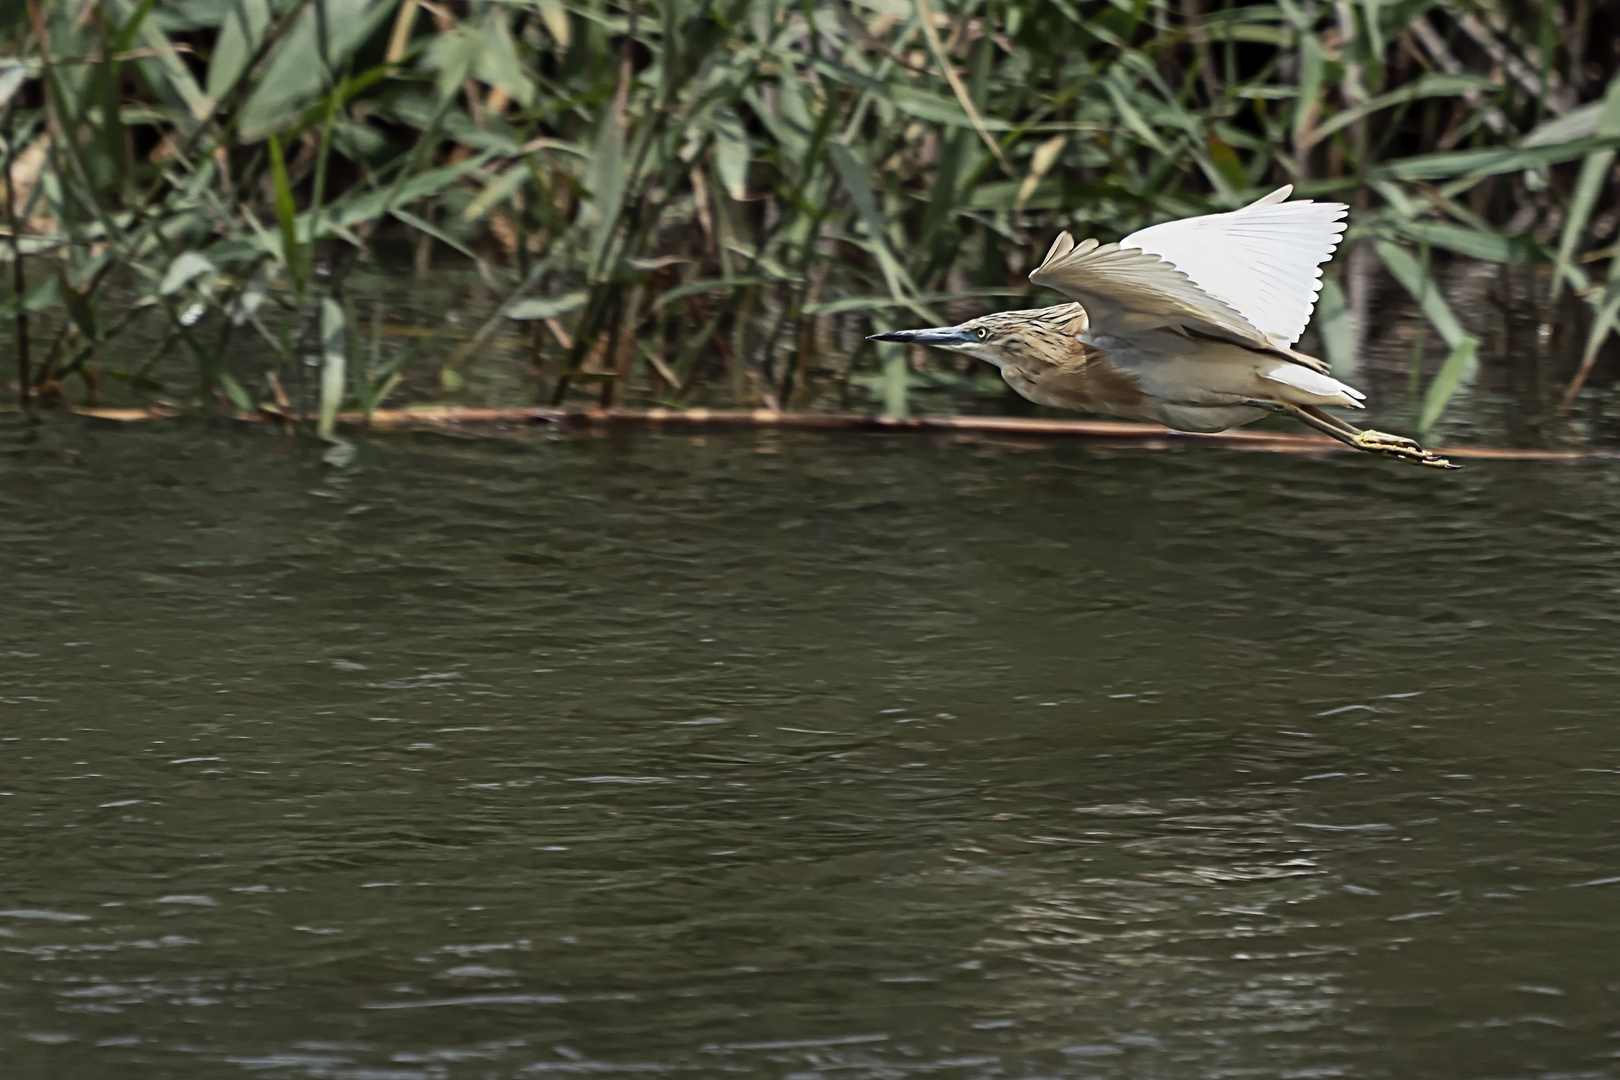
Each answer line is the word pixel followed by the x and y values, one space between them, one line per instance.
pixel 934 335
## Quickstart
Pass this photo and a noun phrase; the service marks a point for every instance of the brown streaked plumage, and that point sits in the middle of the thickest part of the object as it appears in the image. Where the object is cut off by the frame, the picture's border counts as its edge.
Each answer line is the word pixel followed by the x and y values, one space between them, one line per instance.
pixel 1049 364
pixel 1189 324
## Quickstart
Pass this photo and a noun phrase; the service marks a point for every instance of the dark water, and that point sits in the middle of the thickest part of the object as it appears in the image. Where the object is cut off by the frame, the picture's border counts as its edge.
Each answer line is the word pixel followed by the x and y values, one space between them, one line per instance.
pixel 802 757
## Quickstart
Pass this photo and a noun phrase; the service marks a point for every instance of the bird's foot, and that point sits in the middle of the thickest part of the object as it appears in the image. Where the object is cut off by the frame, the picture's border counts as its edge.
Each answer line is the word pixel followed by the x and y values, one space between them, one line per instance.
pixel 1396 446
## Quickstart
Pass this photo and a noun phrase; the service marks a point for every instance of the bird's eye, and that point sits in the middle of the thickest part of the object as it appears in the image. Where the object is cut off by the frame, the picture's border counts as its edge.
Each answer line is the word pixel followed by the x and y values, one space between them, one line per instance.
pixel 981 333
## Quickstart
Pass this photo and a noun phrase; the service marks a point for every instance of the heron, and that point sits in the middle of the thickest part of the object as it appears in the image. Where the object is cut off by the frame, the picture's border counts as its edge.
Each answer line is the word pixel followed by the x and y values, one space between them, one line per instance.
pixel 1189 324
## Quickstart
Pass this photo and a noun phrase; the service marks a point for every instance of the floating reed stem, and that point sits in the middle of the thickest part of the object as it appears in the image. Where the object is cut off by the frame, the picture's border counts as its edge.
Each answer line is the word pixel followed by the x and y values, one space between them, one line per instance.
pixel 1102 432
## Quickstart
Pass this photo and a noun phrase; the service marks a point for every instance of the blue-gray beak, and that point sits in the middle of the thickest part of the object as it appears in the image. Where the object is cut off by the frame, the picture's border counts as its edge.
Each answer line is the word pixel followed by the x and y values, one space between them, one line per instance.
pixel 934 335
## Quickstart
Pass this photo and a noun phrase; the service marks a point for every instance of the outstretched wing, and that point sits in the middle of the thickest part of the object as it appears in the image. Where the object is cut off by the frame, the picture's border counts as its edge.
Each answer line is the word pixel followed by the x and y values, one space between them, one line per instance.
pixel 1264 261
pixel 1127 291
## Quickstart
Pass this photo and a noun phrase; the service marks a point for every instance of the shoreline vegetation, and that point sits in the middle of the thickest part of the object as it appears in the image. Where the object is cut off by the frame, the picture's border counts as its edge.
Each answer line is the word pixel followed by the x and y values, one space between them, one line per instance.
pixel 690 202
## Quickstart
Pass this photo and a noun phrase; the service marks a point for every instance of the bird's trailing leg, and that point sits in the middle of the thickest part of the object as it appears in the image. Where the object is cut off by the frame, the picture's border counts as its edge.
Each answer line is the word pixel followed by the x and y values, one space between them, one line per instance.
pixel 1374 442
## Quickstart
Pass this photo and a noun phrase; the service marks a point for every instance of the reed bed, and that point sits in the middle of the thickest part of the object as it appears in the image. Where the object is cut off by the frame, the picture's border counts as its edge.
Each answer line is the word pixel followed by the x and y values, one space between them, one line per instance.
pixel 677 201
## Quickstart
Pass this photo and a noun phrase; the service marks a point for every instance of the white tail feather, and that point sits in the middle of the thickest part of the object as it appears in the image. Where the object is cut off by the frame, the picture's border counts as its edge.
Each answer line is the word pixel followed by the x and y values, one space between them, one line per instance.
pixel 1324 389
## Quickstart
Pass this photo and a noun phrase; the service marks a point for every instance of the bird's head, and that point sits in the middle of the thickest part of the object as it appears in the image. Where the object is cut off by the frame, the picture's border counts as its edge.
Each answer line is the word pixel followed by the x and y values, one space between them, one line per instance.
pixel 1040 335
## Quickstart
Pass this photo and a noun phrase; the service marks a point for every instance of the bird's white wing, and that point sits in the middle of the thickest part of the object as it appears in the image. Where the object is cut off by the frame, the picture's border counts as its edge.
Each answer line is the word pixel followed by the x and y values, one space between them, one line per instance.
pixel 1264 260
pixel 1126 291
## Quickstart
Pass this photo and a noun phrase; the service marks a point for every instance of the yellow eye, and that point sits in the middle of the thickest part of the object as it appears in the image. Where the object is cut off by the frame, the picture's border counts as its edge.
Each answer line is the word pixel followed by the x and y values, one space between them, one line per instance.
pixel 981 333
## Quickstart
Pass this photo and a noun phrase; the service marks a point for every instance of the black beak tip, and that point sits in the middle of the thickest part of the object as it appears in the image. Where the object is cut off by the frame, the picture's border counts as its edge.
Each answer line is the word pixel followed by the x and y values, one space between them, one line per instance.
pixel 898 335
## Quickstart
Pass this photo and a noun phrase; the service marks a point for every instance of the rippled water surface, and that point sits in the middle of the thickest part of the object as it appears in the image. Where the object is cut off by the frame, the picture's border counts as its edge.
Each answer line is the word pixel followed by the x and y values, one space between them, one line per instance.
pixel 801 757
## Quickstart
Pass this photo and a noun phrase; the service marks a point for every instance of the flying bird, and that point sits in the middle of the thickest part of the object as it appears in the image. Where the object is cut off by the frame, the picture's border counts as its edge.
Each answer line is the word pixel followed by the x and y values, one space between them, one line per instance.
pixel 1190 324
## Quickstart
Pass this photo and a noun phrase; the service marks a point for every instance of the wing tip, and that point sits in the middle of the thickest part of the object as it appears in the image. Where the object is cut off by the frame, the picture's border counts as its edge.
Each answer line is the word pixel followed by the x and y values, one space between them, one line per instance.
pixel 1280 196
pixel 1274 198
pixel 1062 248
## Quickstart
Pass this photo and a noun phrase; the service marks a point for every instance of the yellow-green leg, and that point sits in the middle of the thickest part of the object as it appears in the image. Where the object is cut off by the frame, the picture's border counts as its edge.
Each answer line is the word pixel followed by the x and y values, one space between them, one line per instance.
pixel 1374 442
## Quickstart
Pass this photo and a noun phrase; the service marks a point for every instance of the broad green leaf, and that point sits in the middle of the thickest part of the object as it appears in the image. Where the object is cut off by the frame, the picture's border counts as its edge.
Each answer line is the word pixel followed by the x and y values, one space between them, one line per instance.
pixel 790 99
pixel 1491 161
pixel 426 113
pixel 42 297
pixel 1474 243
pixel 1005 195
pixel 1333 324
pixel 109 166
pixel 367 207
pixel 498 191
pixel 1606 319
pixel 451 57
pixel 12 75
pixel 936 108
pixel 496 61
pixel 234 390
pixel 421 225
pixel 164 69
pixel 555 16
pixel 790 138
pixel 732 152
pixel 79 307
pixel 1578 123
pixel 190 265
pixel 286 216
pixel 1310 84
pixel 239 37
pixel 297 72
pixel 1594 176
pixel 896 382
pixel 1458 366
pixel 859 185
pixel 606 178
pixel 546 307
pixel 1132 117
pixel 1426 86
pixel 1423 288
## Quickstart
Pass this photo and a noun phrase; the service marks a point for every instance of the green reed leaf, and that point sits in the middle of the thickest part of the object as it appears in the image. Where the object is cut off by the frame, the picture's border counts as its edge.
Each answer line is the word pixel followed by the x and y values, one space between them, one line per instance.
pixel 1474 243
pixel 1589 185
pixel 1459 366
pixel 1333 325
pixel 188 267
pixel 297 72
pixel 80 309
pixel 547 307
pixel 1417 281
pixel 286 216
pixel 1491 161
pixel 245 25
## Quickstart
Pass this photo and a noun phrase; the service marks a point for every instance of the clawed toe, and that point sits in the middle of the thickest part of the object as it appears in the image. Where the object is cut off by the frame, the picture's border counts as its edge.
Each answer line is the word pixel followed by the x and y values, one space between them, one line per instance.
pixel 1374 442
pixel 1396 446
pixel 1382 440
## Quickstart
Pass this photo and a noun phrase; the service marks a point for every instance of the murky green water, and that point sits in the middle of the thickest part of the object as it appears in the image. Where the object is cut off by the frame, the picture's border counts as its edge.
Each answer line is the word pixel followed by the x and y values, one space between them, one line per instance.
pixel 802 757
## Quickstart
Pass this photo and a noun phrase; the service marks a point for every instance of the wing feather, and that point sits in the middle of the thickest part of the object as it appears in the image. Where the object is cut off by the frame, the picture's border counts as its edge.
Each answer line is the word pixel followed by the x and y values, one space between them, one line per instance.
pixel 1264 261
pixel 1127 290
